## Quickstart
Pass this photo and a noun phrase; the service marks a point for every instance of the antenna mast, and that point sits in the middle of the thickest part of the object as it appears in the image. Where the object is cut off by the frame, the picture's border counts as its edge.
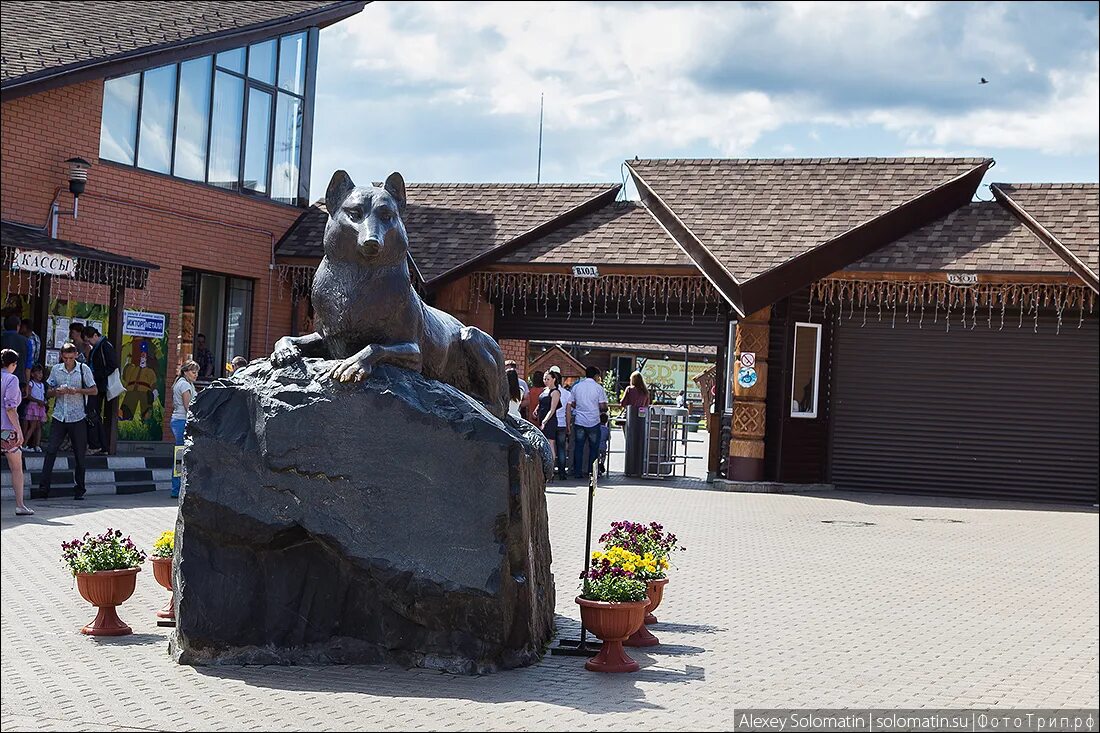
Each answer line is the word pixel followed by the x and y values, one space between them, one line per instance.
pixel 538 172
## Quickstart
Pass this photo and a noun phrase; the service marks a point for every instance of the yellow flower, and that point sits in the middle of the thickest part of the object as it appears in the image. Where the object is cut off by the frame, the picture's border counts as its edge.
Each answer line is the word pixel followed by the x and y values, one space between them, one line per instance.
pixel 629 567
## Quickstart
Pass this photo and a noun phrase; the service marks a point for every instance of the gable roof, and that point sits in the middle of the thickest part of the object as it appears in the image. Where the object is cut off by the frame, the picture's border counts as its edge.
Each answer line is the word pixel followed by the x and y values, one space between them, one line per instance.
pixel 49 44
pixel 559 357
pixel 453 226
pixel 1065 217
pixel 983 236
pixel 761 229
pixel 620 233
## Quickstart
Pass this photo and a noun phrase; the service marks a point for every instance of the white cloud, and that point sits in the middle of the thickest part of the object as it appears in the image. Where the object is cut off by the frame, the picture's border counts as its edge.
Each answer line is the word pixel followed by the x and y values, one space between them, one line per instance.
pixel 703 79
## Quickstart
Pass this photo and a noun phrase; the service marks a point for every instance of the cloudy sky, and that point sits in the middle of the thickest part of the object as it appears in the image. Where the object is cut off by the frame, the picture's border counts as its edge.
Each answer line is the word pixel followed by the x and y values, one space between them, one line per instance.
pixel 450 91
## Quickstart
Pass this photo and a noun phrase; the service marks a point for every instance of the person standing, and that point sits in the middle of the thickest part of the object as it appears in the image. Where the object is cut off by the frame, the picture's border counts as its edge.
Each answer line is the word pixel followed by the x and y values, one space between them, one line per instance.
pixel 34 414
pixel 104 362
pixel 203 357
pixel 70 384
pixel 561 441
pixel 533 396
pixel 12 339
pixel 76 338
pixel 183 391
pixel 26 330
pixel 588 403
pixel 11 436
pixel 548 414
pixel 515 395
pixel 510 366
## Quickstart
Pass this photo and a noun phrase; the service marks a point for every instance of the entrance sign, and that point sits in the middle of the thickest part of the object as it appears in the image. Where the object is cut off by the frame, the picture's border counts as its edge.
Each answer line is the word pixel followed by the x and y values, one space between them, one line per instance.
pixel 746 377
pixel 52 264
pixel 748 358
pixel 586 271
pixel 140 323
pixel 958 278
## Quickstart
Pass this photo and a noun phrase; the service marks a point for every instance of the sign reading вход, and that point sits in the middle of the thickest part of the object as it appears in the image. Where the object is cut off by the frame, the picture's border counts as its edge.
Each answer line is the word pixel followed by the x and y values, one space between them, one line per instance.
pixel 52 264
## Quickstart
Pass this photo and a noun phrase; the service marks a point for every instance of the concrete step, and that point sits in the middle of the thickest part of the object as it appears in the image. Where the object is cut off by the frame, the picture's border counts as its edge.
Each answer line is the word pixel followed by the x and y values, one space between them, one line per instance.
pixel 103 475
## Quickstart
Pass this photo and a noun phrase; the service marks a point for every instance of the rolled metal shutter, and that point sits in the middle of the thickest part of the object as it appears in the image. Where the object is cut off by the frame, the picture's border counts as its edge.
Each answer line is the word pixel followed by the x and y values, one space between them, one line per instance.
pixel 1008 414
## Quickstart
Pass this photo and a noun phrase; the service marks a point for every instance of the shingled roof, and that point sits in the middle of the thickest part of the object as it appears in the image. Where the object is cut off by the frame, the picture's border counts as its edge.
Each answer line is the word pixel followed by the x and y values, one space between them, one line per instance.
pixel 620 233
pixel 761 229
pixel 981 237
pixel 45 40
pixel 1066 216
pixel 453 225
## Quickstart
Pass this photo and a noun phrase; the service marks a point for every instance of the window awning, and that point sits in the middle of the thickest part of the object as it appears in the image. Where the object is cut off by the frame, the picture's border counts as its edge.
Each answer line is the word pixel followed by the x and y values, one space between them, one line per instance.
pixel 92 265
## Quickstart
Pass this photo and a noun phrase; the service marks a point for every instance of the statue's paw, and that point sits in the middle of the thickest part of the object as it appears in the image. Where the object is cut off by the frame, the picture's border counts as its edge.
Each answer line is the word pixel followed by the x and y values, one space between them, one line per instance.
pixel 352 369
pixel 285 355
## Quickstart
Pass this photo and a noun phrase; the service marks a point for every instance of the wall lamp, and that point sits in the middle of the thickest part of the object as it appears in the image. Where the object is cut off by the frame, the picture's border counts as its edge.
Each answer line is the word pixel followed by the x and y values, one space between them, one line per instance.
pixel 78 181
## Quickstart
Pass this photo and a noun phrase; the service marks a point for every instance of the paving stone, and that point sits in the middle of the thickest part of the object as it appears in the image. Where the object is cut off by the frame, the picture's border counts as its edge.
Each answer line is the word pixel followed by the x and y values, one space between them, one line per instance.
pixel 767 608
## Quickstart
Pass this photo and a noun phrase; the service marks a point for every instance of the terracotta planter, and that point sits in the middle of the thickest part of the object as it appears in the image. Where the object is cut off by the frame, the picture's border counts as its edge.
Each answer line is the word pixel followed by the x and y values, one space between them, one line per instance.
pixel 614 623
pixel 107 589
pixel 162 573
pixel 655 590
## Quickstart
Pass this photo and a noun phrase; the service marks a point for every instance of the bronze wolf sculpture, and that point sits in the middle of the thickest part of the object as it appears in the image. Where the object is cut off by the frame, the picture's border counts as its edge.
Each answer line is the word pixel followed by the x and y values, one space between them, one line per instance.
pixel 366 311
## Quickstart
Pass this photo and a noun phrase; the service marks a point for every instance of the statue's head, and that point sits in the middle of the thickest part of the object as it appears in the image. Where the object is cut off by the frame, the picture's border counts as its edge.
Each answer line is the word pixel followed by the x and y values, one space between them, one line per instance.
pixel 365 221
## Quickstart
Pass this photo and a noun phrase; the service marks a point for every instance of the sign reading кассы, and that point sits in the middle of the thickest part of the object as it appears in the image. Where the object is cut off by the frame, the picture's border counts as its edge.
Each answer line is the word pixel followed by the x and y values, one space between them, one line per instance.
pixel 52 264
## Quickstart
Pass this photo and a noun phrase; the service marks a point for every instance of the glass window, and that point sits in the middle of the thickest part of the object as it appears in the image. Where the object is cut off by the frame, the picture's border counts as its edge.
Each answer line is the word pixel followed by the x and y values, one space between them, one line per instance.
pixel 261 61
pixel 257 140
pixel 292 63
pixel 225 131
pixel 158 110
pixel 288 149
pixel 805 369
pixel 232 60
pixel 119 123
pixel 238 321
pixel 193 122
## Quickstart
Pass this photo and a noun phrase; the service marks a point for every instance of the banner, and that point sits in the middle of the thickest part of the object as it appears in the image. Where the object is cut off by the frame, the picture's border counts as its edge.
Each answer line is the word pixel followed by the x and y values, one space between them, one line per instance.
pixel 144 364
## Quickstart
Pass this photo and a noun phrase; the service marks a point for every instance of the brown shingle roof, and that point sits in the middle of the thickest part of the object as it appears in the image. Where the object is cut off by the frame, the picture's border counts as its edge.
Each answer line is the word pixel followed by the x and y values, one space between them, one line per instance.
pixel 1069 211
pixel 621 233
pixel 40 35
pixel 981 237
pixel 449 224
pixel 754 215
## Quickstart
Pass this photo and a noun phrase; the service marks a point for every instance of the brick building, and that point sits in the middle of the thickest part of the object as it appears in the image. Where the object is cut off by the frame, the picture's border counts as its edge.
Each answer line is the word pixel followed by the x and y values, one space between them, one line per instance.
pixel 196 120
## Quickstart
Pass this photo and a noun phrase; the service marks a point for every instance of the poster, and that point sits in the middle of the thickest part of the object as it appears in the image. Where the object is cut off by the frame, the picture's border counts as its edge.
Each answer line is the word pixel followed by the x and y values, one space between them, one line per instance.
pixel 144 364
pixel 666 377
pixel 64 312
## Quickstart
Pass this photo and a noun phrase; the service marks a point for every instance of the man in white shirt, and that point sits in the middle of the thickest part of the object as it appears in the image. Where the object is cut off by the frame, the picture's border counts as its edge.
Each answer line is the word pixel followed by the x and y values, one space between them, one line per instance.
pixel 588 400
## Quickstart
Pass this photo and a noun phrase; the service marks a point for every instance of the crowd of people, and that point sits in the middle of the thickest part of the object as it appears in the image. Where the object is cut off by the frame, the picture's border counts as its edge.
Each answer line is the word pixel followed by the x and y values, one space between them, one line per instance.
pixel 573 415
pixel 78 386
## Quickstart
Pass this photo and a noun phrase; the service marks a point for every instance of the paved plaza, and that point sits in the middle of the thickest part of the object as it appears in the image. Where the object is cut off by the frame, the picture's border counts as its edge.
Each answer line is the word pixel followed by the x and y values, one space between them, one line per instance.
pixel 828 600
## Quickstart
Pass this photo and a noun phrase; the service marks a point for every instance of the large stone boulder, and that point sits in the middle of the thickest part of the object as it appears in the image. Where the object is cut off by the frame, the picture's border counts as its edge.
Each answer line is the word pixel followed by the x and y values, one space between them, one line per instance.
pixel 393 520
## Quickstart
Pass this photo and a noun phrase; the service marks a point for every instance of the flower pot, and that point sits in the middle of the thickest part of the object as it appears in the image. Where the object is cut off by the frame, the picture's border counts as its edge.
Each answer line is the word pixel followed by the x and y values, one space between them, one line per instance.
pixel 655 590
pixel 107 589
pixel 613 623
pixel 162 573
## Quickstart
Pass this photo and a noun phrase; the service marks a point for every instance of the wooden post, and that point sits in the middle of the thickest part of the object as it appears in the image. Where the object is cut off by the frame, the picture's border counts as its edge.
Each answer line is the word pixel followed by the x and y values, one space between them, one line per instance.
pixel 40 317
pixel 746 455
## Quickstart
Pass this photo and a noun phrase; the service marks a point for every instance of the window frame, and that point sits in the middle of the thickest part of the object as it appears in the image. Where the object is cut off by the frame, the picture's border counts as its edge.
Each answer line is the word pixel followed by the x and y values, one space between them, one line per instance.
pixel 812 414
pixel 299 197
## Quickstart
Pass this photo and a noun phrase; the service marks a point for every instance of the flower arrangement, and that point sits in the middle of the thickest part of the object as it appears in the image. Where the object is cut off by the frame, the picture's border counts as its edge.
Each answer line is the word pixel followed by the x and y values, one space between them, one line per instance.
pixel 612 576
pixel 108 551
pixel 164 545
pixel 650 542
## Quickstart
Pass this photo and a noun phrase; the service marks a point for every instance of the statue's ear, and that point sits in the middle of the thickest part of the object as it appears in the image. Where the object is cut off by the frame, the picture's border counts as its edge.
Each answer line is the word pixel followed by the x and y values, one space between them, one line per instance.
pixel 395 186
pixel 338 189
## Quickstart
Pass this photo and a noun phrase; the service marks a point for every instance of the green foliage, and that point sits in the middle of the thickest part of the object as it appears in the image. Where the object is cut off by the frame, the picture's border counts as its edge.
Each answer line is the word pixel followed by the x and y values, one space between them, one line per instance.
pixel 613 589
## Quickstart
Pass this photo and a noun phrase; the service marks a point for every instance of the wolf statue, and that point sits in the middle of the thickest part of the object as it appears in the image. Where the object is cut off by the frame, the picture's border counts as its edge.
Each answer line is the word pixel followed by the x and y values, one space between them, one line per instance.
pixel 366 311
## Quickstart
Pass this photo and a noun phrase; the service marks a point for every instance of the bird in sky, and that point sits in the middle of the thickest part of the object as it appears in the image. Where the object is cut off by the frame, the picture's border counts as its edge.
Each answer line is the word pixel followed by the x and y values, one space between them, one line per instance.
pixel 984 81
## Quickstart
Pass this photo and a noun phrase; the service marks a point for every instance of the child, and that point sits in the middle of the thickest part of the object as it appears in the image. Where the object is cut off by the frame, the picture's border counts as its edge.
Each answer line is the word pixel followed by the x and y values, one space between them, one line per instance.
pixel 35 414
pixel 605 442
